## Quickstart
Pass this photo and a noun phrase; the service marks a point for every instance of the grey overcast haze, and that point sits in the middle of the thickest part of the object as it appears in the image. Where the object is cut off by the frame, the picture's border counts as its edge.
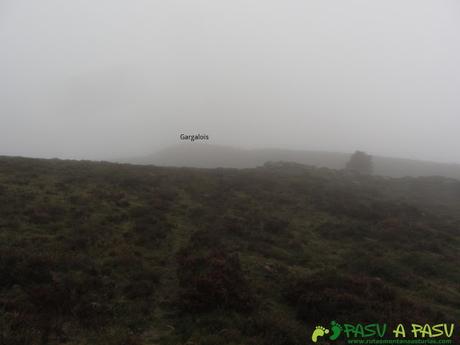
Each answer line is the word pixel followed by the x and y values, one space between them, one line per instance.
pixel 110 78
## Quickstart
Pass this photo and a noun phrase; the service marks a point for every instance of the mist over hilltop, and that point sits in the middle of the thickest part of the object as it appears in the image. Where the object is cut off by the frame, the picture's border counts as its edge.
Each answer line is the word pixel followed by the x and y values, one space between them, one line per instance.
pixel 202 155
pixel 92 80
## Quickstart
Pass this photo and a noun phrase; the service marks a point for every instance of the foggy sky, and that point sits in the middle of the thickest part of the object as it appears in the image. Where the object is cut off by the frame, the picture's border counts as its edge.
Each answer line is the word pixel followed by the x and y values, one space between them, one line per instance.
pixel 111 78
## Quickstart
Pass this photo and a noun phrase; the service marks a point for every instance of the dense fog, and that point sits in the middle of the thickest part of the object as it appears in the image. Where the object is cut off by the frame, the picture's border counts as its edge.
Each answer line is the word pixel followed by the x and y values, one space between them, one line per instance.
pixel 106 79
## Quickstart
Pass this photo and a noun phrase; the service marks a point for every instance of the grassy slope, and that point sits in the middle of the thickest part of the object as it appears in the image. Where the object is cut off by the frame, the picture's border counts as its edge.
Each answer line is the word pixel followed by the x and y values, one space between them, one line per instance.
pixel 99 253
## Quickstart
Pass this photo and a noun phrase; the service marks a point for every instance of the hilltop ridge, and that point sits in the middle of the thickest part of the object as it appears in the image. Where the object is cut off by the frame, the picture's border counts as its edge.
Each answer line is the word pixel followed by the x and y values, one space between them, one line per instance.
pixel 202 155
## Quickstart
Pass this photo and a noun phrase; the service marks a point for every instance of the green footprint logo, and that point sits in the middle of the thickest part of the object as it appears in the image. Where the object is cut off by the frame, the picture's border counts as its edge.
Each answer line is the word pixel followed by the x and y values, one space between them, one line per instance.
pixel 319 331
pixel 336 330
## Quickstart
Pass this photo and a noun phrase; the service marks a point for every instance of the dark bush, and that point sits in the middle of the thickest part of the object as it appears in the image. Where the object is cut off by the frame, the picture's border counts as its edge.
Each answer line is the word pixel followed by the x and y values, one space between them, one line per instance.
pixel 212 280
pixel 328 295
